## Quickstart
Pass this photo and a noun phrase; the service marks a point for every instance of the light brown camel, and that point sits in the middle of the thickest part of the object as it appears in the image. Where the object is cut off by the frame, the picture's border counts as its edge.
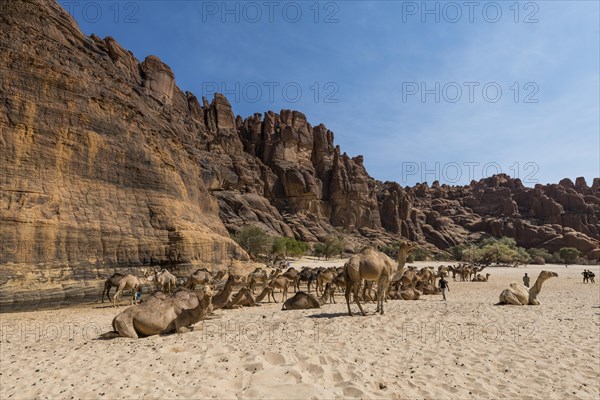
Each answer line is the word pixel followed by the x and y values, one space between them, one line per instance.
pixel 519 295
pixel 258 276
pixel 428 288
pixel 305 301
pixel 405 294
pixel 339 281
pixel 245 298
pixel 481 278
pixel 475 271
pixel 221 299
pixel 324 278
pixel 293 275
pixel 127 282
pixel 427 275
pixel 372 265
pixel 281 282
pixel 164 280
pixel 111 282
pixel 161 314
pixel 203 276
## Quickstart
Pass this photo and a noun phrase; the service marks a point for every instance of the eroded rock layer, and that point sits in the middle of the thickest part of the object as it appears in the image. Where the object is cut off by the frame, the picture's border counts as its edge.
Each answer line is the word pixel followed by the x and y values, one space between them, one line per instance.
pixel 106 164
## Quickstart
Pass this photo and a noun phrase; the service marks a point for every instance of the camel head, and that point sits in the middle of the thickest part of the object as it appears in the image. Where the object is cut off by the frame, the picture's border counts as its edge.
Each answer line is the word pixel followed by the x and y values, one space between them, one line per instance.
pixel 544 275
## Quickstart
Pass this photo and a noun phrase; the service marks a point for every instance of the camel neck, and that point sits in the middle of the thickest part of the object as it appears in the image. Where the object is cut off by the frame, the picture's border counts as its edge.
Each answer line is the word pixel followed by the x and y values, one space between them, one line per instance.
pixel 536 288
pixel 262 295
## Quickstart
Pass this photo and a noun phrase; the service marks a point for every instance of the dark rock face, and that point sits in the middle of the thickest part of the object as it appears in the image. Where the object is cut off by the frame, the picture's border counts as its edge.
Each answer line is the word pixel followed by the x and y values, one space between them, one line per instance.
pixel 107 164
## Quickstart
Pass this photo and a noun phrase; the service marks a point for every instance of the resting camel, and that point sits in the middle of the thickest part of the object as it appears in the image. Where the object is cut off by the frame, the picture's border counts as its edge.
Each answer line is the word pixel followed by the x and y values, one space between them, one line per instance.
pixel 223 298
pixel 162 314
pixel 245 298
pixel 428 288
pixel 203 276
pixel 372 265
pixel 127 282
pixel 111 282
pixel 305 301
pixel 475 271
pixel 481 278
pixel 164 280
pixel 519 295
pixel 406 293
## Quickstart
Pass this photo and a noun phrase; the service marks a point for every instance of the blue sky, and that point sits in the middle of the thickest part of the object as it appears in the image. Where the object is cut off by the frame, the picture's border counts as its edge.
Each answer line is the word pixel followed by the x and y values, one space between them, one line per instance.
pixel 385 76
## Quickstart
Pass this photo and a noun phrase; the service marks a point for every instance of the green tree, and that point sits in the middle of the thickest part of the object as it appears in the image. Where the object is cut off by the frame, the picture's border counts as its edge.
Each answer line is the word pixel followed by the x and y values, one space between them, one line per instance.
pixel 537 253
pixel 254 240
pixel 457 251
pixel 335 245
pixel 284 246
pixel 319 250
pixel 568 255
pixel 421 254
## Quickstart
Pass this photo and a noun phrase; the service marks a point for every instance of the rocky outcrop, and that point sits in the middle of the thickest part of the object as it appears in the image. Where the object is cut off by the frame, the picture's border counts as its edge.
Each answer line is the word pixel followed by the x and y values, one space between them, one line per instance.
pixel 106 164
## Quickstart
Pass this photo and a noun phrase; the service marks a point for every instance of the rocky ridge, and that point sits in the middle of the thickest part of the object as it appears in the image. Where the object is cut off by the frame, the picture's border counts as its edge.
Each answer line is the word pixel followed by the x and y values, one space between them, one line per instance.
pixel 106 164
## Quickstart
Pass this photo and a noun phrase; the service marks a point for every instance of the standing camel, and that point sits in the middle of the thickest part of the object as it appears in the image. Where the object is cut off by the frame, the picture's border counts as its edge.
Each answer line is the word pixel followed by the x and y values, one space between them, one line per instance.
pixel 127 282
pixel 372 265
pixel 111 282
pixel 164 280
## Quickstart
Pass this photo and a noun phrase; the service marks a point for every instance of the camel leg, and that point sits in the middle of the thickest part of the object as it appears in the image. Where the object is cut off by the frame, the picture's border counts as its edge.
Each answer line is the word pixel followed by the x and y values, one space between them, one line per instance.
pixel 356 288
pixel 347 295
pixel 117 298
pixel 510 298
pixel 123 325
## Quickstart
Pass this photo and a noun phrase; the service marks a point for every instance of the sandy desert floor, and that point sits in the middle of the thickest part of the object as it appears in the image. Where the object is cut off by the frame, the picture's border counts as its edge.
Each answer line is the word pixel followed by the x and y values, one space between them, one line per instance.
pixel 465 348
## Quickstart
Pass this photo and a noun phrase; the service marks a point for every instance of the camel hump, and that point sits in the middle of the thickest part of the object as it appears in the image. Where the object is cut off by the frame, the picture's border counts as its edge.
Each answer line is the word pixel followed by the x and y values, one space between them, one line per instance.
pixel 368 250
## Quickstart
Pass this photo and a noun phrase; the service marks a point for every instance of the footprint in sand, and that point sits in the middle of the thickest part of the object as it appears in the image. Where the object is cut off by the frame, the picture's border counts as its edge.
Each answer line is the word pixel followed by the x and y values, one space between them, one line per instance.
pixel 253 367
pixel 274 358
pixel 352 392
pixel 315 369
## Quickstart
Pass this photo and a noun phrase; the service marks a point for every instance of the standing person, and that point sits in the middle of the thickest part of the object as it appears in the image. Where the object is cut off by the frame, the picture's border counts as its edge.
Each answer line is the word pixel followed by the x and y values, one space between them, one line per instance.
pixel 586 276
pixel 526 280
pixel 444 286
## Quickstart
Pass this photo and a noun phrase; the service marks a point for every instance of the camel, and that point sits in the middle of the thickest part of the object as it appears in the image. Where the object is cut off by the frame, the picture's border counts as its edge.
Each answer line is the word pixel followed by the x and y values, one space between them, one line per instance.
pixel 281 282
pixel 245 298
pixel 372 265
pixel 203 276
pixel 476 271
pixel 162 314
pixel 127 282
pixel 111 282
pixel 305 301
pixel 428 288
pixel 481 278
pixel 293 275
pixel 404 294
pixel 164 280
pixel 427 274
pixel 260 276
pixel 223 298
pixel 307 275
pixel 339 281
pixel 519 295
pixel 324 278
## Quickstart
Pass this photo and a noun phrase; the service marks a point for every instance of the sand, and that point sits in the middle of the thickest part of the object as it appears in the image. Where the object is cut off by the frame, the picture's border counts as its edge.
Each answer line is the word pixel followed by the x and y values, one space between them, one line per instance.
pixel 464 348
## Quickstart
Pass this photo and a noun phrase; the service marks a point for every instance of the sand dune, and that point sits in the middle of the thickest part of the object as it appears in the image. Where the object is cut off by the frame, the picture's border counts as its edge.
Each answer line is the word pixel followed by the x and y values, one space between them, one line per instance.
pixel 465 348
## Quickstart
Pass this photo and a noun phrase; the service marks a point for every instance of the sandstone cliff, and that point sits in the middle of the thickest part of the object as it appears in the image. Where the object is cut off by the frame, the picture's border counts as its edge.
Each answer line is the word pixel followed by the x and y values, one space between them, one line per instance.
pixel 107 164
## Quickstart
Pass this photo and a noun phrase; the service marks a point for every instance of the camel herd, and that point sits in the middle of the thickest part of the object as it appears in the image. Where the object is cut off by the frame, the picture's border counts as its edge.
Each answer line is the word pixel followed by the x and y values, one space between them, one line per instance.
pixel 370 276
